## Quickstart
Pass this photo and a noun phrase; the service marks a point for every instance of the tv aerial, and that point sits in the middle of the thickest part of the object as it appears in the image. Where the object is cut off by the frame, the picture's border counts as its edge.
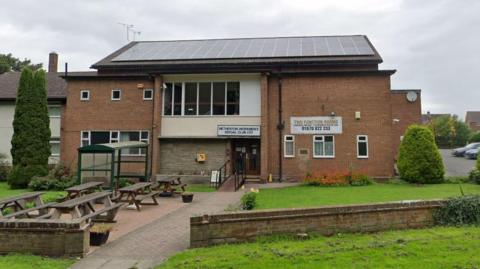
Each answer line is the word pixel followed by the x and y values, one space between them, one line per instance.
pixel 129 28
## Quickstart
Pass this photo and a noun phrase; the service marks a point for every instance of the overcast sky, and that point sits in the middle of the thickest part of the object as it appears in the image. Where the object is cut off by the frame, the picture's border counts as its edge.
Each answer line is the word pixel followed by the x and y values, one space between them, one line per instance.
pixel 434 45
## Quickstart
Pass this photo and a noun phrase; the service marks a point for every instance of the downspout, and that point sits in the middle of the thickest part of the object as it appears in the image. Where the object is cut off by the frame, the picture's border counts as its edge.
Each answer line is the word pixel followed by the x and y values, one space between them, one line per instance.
pixel 152 129
pixel 280 127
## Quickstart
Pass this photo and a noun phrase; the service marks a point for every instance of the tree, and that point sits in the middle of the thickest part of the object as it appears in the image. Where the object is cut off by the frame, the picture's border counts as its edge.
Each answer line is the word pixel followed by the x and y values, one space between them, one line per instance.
pixel 31 131
pixel 449 131
pixel 10 63
pixel 419 160
pixel 475 137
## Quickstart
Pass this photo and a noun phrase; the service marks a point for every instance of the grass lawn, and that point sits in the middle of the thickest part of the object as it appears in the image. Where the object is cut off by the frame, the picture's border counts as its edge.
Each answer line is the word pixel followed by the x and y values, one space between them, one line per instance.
pixel 49 196
pixel 199 188
pixel 18 261
pixel 429 248
pixel 310 196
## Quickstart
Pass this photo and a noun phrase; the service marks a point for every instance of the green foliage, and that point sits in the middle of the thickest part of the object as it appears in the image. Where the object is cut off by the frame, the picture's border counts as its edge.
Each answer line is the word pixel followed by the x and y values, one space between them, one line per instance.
pixel 20 175
pixel 464 210
pixel 450 131
pixel 4 167
pixel 10 63
pixel 475 137
pixel 248 201
pixel 457 179
pixel 59 178
pixel 31 125
pixel 474 176
pixel 478 164
pixel 361 180
pixel 419 160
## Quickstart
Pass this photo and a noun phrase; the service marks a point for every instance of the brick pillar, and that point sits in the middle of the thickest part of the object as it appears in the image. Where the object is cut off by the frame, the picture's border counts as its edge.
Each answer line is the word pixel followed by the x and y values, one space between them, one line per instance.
pixel 264 147
pixel 157 120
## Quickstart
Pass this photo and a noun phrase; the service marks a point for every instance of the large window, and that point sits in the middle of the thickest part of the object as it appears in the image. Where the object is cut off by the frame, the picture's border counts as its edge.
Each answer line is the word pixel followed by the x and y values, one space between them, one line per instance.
pixel 323 146
pixel 201 98
pixel 54 111
pixel 102 137
pixel 362 146
pixel 289 146
pixel 55 146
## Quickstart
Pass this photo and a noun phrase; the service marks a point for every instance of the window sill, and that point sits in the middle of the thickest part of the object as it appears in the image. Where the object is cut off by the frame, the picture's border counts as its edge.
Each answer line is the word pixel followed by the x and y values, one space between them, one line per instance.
pixel 359 157
pixel 324 157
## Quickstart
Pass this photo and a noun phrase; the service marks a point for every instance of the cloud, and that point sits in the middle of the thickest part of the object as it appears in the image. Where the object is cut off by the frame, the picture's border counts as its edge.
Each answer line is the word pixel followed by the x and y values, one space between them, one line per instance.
pixel 432 44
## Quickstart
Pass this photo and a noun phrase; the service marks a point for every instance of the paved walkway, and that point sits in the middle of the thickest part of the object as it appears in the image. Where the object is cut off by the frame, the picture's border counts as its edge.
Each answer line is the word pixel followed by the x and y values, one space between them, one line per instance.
pixel 150 244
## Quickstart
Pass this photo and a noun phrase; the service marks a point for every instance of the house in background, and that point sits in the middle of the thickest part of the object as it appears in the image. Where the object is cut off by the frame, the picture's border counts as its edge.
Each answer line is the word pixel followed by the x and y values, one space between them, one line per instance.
pixel 472 119
pixel 283 106
pixel 56 93
pixel 427 118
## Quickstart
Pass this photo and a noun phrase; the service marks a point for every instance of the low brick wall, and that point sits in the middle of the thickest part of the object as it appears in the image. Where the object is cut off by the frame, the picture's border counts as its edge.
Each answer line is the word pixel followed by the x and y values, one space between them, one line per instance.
pixel 44 237
pixel 246 226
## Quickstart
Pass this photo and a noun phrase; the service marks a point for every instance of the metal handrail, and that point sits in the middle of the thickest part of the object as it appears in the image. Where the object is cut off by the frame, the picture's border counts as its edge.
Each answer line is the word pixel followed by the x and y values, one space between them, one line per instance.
pixel 222 171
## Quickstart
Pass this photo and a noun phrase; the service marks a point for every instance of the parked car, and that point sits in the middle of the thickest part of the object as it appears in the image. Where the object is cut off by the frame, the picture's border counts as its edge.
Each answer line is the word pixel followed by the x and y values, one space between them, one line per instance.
pixel 460 152
pixel 472 153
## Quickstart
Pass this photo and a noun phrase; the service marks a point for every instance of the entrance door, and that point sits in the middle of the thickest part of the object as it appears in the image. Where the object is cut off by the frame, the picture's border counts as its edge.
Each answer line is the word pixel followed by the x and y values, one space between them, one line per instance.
pixel 247 156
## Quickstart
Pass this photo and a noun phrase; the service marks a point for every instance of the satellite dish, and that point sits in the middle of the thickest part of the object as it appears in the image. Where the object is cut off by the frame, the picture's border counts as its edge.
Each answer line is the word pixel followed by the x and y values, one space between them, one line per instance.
pixel 412 96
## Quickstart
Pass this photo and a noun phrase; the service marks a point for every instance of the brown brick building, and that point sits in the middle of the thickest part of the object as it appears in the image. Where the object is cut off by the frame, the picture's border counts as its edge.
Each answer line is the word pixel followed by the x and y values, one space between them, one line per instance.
pixel 280 106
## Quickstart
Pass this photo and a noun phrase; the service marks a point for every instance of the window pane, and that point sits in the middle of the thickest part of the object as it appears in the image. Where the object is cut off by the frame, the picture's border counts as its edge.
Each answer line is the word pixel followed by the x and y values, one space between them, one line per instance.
pixel 130 136
pixel 233 98
pixel 116 94
pixel 84 135
pixel 99 137
pixel 147 94
pixel 190 99
pixel 54 111
pixel 55 148
pixel 204 98
pixel 177 99
pixel 144 135
pixel 328 145
pixel 218 98
pixel 167 101
pixel 289 148
pixel 362 148
pixel 318 149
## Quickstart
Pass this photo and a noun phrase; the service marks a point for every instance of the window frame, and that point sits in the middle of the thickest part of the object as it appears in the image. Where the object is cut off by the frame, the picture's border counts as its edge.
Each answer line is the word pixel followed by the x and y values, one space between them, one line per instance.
pixel 151 96
pixel 55 106
pixel 117 139
pixel 119 95
pixel 85 98
pixel 324 156
pixel 55 140
pixel 82 139
pixel 358 150
pixel 285 141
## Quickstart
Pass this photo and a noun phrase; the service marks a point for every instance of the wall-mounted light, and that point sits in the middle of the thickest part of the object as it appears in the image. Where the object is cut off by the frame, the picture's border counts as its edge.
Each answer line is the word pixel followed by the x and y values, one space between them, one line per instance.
pixel 396 120
pixel 164 86
pixel 140 86
pixel 332 114
pixel 357 115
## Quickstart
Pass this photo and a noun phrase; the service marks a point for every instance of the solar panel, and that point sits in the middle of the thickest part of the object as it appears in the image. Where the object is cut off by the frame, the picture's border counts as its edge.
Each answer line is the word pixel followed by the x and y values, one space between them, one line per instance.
pixel 248 48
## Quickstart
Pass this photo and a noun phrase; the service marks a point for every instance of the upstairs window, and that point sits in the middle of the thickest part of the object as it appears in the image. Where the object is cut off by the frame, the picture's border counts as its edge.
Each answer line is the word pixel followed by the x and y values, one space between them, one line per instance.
pixel 219 98
pixel 323 146
pixel 190 98
pixel 204 98
pixel 84 95
pixel 54 111
pixel 167 99
pixel 116 95
pixel 177 99
pixel 362 146
pixel 102 137
pixel 233 98
pixel 289 146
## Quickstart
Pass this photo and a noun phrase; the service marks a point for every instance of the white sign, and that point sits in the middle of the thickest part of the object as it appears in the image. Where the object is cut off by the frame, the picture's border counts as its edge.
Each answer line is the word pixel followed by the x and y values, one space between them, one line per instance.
pixel 238 130
pixel 316 125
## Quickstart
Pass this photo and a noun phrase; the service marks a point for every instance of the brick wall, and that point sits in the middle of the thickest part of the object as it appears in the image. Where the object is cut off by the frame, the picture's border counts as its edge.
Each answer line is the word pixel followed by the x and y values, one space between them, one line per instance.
pixel 44 237
pixel 246 226
pixel 177 156
pixel 343 95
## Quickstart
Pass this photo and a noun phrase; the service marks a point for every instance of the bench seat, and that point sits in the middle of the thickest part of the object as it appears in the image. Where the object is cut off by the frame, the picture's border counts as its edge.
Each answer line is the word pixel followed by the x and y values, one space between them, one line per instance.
pixel 28 210
pixel 111 213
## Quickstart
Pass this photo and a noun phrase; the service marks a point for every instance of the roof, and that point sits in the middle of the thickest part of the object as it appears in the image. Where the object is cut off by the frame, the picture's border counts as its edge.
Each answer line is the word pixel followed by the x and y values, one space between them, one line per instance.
pixel 426 118
pixel 244 51
pixel 472 116
pixel 56 86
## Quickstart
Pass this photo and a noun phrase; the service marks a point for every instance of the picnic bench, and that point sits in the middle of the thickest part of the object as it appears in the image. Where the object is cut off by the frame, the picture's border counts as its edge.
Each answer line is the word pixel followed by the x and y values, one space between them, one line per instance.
pixel 19 203
pixel 83 207
pixel 171 185
pixel 82 189
pixel 136 193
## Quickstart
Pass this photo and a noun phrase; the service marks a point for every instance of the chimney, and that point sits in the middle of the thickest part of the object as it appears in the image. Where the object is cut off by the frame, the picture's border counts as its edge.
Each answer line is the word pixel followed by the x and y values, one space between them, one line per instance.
pixel 52 62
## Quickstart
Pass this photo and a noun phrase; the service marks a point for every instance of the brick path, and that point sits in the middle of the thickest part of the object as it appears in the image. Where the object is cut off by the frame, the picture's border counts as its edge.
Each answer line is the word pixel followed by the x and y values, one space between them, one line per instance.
pixel 150 244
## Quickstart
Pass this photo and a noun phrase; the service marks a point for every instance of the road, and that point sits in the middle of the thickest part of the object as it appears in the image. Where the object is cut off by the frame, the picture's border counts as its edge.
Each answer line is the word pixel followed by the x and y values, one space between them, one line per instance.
pixel 456 166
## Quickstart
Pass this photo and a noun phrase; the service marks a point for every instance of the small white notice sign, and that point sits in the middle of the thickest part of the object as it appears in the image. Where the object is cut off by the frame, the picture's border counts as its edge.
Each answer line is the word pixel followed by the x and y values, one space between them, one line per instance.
pixel 238 130
pixel 316 125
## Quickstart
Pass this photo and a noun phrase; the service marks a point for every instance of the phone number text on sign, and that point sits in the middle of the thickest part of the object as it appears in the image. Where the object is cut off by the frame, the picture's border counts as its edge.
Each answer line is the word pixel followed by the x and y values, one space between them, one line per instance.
pixel 316 125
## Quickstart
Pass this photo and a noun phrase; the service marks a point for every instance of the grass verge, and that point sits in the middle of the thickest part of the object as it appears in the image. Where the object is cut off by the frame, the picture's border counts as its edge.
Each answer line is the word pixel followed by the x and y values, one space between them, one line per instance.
pixel 22 261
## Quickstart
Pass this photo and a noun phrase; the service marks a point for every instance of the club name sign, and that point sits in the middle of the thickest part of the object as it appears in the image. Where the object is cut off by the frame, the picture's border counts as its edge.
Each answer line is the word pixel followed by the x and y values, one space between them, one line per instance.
pixel 316 125
pixel 238 130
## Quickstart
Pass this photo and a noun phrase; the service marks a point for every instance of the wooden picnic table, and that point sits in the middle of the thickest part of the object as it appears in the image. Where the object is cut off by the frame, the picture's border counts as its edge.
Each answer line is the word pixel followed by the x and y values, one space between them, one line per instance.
pixel 19 202
pixel 82 189
pixel 136 193
pixel 170 185
pixel 83 207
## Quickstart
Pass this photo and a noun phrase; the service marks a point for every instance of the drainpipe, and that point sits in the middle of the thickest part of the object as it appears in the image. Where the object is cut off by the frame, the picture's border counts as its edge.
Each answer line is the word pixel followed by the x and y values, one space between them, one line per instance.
pixel 280 127
pixel 152 129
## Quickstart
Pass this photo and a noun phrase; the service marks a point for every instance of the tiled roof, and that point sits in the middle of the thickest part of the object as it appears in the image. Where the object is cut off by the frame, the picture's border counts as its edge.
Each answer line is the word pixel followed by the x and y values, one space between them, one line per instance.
pixel 56 86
